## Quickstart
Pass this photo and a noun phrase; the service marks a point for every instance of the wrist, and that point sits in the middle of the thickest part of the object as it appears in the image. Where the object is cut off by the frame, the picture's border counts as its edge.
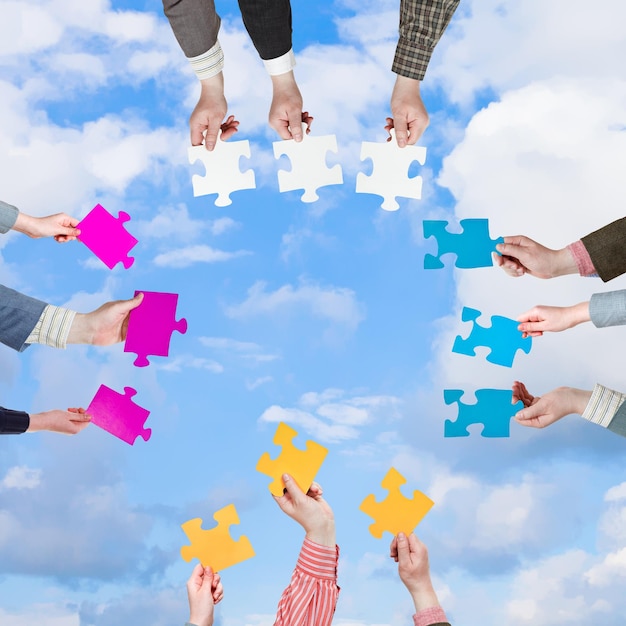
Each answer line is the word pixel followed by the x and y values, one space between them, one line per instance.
pixel 36 423
pixel 579 400
pixel 282 82
pixel 24 224
pixel 80 330
pixel 212 85
pixel 324 535
pixel 580 313
pixel 424 596
pixel 564 263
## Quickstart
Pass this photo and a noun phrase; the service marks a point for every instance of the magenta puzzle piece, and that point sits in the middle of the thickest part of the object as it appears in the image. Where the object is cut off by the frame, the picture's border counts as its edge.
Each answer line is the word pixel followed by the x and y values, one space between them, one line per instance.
pixel 118 414
pixel 151 324
pixel 106 236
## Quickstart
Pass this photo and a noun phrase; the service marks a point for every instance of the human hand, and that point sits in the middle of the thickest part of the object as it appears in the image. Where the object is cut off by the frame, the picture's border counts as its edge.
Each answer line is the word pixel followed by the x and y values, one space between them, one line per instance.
pixel 207 118
pixel 540 412
pixel 204 590
pixel 310 510
pixel 60 226
pixel 554 319
pixel 104 326
pixel 521 255
pixel 411 556
pixel 410 117
pixel 286 116
pixel 67 422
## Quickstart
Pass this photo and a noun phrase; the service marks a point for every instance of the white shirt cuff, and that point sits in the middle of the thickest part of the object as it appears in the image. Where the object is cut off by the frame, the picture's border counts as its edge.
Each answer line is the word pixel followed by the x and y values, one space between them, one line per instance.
pixel 281 65
pixel 53 327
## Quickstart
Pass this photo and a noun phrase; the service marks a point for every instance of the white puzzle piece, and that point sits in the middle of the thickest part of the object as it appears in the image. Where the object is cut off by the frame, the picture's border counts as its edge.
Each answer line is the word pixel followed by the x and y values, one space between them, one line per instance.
pixel 390 174
pixel 308 165
pixel 223 175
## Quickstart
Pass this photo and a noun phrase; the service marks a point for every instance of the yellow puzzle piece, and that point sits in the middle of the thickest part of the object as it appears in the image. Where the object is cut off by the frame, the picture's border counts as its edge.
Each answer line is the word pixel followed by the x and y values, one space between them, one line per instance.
pixel 215 548
pixel 396 513
pixel 302 465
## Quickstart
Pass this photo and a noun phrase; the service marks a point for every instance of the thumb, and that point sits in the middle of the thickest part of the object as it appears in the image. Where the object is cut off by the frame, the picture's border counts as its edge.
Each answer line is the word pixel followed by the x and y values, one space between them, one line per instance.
pixel 402 132
pixel 403 547
pixel 292 488
pixel 295 124
pixel 136 301
pixel 211 135
pixel 207 579
pixel 510 249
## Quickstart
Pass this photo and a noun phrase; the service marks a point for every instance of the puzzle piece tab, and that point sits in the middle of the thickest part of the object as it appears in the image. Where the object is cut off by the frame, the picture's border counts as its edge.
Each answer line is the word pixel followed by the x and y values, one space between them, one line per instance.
pixel 215 547
pixel 302 465
pixel 118 414
pixel 223 175
pixel 308 164
pixel 396 513
pixel 493 409
pixel 390 176
pixel 151 324
pixel 502 337
pixel 473 246
pixel 107 237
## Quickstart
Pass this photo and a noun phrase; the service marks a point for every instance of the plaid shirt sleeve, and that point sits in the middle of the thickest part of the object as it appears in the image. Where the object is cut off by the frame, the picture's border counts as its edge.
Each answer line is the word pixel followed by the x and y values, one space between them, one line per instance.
pixel 422 23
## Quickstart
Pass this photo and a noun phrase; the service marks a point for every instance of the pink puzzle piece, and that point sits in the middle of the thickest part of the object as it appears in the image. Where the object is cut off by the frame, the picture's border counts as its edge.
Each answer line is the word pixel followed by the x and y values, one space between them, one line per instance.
pixel 151 324
pixel 107 237
pixel 118 414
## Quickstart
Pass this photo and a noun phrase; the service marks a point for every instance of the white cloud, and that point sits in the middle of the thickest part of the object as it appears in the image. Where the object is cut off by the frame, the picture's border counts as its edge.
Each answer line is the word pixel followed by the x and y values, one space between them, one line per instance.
pixel 184 257
pixel 257 382
pixel 21 477
pixel 333 421
pixel 49 614
pixel 247 350
pixel 179 363
pixel 335 304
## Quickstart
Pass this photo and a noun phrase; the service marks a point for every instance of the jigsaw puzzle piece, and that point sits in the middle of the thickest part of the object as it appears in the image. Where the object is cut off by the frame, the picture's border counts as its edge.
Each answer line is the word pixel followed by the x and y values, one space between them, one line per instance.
pixel 396 513
pixel 302 465
pixel 215 547
pixel 308 164
pixel 118 414
pixel 107 237
pixel 493 409
pixel 151 324
pixel 223 175
pixel 502 337
pixel 473 246
pixel 390 174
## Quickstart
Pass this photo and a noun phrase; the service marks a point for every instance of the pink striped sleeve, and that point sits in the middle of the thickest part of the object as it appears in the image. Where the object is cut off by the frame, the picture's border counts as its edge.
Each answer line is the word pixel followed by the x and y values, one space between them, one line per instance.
pixel 311 596
pixel 582 259
pixel 430 616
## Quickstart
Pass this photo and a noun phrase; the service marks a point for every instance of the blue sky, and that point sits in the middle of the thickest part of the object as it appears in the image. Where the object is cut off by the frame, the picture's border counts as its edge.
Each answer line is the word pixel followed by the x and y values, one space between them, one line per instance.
pixel 319 314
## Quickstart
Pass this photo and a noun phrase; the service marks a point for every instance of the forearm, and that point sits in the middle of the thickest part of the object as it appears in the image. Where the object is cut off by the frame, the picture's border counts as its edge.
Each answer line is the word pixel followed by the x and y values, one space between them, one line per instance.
pixel 13 422
pixel 608 309
pixel 422 23
pixel 8 216
pixel 19 315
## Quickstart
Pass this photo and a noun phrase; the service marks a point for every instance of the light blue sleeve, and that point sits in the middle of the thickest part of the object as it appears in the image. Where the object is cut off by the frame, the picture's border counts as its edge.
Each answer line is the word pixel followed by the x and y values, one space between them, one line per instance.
pixel 608 309
pixel 8 215
pixel 618 423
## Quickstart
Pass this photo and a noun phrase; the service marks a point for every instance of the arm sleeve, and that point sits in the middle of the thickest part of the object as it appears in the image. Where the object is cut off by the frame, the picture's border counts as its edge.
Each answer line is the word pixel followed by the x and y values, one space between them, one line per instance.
pixel 607 408
pixel 268 23
pixel 607 249
pixel 19 315
pixel 608 309
pixel 8 215
pixel 422 23
pixel 432 616
pixel 13 422
pixel 311 597
pixel 195 24
pixel 581 257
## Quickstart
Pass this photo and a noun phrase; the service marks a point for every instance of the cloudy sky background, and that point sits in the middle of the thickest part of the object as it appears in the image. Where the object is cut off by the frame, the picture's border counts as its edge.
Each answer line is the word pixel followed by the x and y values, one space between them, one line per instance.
pixel 320 315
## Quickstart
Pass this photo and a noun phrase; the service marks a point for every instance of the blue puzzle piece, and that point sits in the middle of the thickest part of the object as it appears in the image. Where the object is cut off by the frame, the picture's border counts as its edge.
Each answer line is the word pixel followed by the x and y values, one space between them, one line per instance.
pixel 502 337
pixel 493 409
pixel 473 246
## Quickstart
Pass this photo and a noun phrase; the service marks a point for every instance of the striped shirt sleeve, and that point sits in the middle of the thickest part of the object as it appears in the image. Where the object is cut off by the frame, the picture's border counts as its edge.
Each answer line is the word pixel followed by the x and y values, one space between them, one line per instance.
pixel 53 327
pixel 209 63
pixel 432 616
pixel 311 597
pixel 603 405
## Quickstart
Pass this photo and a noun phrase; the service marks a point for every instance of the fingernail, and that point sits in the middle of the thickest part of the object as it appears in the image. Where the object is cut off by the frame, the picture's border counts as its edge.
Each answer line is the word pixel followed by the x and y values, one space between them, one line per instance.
pixel 401 536
pixel 286 478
